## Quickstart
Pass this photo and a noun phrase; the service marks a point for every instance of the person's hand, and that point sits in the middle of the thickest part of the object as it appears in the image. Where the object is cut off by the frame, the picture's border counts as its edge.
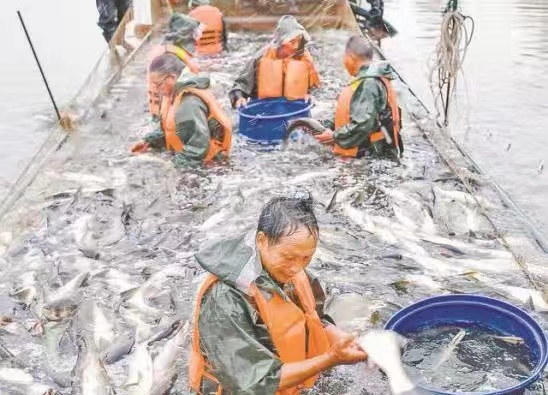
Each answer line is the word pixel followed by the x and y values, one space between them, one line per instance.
pixel 192 66
pixel 325 137
pixel 140 147
pixel 242 101
pixel 347 351
pixel 310 99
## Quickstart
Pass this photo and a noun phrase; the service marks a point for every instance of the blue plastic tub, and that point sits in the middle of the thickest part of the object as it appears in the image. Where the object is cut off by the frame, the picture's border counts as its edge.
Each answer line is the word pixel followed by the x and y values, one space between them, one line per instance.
pixel 471 310
pixel 265 121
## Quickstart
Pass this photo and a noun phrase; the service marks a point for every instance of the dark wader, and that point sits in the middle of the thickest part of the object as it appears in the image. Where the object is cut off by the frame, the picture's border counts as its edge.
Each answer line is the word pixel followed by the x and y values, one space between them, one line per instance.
pixel 111 13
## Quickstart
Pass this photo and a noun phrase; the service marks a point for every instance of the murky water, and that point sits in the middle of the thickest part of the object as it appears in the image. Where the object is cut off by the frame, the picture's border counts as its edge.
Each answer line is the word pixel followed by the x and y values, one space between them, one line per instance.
pixel 472 359
pixel 502 106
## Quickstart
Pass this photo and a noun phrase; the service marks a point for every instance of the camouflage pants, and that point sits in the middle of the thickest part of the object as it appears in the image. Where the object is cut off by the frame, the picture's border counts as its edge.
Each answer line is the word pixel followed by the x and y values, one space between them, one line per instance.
pixel 111 13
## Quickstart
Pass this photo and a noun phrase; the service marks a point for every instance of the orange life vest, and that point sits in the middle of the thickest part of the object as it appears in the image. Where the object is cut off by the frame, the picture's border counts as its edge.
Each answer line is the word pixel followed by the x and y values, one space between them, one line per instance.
pixel 288 326
pixel 211 41
pixel 168 111
pixel 342 115
pixel 290 78
pixel 156 51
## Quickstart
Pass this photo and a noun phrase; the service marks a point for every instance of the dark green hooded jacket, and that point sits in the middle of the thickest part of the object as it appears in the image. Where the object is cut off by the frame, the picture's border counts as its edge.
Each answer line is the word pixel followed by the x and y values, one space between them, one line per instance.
pixel 181 32
pixel 193 127
pixel 232 336
pixel 245 86
pixel 369 102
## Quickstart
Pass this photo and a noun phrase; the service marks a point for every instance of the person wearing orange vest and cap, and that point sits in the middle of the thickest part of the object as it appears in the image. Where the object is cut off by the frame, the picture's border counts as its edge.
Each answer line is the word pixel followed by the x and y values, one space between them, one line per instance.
pixel 259 323
pixel 367 117
pixel 193 125
pixel 214 37
pixel 179 40
pixel 284 68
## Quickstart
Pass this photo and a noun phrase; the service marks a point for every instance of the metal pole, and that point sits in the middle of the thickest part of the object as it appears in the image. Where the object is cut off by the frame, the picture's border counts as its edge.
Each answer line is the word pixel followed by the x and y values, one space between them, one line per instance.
pixel 39 65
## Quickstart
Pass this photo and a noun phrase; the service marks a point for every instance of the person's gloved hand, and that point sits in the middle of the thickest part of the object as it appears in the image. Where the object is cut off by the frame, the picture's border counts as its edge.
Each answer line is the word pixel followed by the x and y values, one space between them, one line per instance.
pixel 140 147
pixel 325 137
pixel 383 349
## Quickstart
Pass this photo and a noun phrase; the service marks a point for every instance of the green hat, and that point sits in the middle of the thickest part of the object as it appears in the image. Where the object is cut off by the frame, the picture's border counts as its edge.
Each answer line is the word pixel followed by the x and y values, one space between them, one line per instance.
pixel 287 29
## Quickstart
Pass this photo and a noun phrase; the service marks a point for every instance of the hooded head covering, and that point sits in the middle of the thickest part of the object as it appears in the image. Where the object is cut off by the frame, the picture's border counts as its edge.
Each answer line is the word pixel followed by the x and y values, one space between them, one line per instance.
pixel 287 29
pixel 182 31
pixel 196 3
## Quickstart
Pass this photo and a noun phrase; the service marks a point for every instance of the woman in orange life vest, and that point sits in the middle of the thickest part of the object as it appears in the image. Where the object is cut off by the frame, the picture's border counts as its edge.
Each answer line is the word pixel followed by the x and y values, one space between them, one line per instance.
pixel 192 123
pixel 179 40
pixel 259 324
pixel 214 38
pixel 367 118
pixel 283 69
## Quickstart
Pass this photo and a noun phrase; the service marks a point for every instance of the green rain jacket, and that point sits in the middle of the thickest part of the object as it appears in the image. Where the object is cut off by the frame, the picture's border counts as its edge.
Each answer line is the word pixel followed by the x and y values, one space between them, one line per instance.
pixel 232 336
pixel 193 127
pixel 245 86
pixel 369 103
pixel 181 31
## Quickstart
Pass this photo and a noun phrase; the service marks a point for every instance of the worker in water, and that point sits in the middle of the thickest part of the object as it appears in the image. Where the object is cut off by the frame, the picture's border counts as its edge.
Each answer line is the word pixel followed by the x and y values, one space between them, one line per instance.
pixel 367 117
pixel 214 36
pixel 259 324
pixel 111 13
pixel 283 69
pixel 179 40
pixel 192 123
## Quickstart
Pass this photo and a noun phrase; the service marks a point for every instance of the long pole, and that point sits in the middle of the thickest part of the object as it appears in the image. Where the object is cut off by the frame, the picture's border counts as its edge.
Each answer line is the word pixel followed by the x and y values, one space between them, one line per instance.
pixel 39 65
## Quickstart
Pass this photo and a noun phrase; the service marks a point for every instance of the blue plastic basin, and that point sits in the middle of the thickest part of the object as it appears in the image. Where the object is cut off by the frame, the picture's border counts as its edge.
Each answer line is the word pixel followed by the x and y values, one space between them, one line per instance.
pixel 265 121
pixel 476 310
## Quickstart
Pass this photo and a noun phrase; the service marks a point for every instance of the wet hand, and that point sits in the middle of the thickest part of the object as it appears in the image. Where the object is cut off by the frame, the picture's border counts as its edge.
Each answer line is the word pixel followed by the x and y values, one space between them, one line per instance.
pixel 192 66
pixel 310 99
pixel 242 101
pixel 140 147
pixel 325 137
pixel 347 351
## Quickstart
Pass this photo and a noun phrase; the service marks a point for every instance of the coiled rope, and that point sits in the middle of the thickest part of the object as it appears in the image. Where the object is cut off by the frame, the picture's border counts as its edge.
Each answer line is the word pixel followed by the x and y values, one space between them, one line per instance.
pixel 448 57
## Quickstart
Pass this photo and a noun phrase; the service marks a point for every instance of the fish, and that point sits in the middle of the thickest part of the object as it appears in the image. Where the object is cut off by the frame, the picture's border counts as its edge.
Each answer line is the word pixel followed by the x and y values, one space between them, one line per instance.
pixel 64 301
pixel 90 373
pixel 20 382
pixel 450 348
pixel 164 369
pixel 140 372
pixel 121 346
pixel 508 339
pixel 309 125
pixel 164 332
pixel 84 236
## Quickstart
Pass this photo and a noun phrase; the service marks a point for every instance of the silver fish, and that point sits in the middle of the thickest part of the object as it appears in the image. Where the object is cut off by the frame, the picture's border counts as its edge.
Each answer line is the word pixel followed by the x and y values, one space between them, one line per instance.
pixel 165 371
pixel 91 376
pixel 64 302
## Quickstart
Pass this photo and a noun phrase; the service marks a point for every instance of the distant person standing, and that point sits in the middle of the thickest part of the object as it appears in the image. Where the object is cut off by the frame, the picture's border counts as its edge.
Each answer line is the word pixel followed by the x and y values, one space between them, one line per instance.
pixel 111 13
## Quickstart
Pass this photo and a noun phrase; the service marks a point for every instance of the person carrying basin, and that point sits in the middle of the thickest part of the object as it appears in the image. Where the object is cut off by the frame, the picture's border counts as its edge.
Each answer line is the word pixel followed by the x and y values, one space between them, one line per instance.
pixel 178 41
pixel 285 68
pixel 214 35
pixel 259 324
pixel 367 117
pixel 192 123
